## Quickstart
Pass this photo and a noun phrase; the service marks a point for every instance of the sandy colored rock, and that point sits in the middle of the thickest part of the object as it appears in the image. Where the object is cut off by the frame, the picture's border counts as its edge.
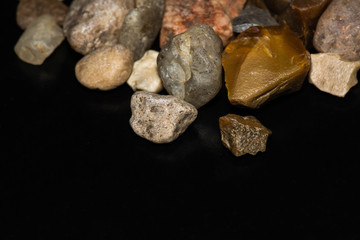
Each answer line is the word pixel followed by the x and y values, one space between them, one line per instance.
pixel 190 65
pixel 263 63
pixel 181 15
pixel 145 74
pixel 105 68
pixel 338 29
pixel 160 118
pixel 333 75
pixel 28 10
pixel 39 40
pixel 91 24
pixel 242 135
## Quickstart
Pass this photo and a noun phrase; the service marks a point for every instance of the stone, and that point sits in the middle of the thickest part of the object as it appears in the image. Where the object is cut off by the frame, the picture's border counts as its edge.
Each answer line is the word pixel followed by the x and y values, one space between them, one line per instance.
pixel 160 118
pixel 28 10
pixel 157 5
pixel 91 24
pixel 181 15
pixel 39 40
pixel 331 74
pixel 190 65
pixel 277 6
pixel 263 63
pixel 252 16
pixel 242 135
pixel 140 29
pixel 232 7
pixel 338 29
pixel 302 16
pixel 145 75
pixel 105 68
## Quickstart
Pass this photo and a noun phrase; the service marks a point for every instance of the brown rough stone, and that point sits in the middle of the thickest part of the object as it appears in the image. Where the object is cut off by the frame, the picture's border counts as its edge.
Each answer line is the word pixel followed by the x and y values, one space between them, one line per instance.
pixel 242 135
pixel 181 15
pixel 160 118
pixel 105 68
pixel 338 29
pixel 91 24
pixel 28 10
pixel 233 7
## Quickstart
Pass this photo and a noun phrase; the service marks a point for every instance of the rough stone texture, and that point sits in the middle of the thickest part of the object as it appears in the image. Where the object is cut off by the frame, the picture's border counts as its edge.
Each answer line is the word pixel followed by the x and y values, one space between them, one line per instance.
pixel 243 134
pixel 140 28
pixel 28 10
pixel 158 5
pixel 338 29
pixel 105 68
pixel 332 74
pixel 145 74
pixel 190 66
pixel 39 40
pixel 181 15
pixel 232 7
pixel 160 118
pixel 263 63
pixel 91 24
pixel 252 16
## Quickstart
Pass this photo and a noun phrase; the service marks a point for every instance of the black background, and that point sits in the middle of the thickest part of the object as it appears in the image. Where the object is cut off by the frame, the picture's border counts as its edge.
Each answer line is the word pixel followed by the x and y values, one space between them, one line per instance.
pixel 72 168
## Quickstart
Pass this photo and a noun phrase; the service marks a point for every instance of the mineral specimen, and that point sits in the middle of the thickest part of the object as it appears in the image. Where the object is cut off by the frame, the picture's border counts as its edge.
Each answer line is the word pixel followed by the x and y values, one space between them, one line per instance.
pixel 277 6
pixel 252 16
pixel 105 68
pixel 145 75
pixel 160 118
pixel 140 28
pixel 338 29
pixel 181 15
pixel 39 40
pixel 28 10
pixel 331 74
pixel 243 134
pixel 262 63
pixel 190 65
pixel 233 7
pixel 91 24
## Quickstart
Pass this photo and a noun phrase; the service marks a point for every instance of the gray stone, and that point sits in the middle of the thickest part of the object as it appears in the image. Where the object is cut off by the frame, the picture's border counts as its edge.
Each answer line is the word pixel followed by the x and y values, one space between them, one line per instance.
pixel 252 16
pixel 105 68
pixel 39 40
pixel 140 28
pixel 190 65
pixel 160 118
pixel 157 5
pixel 91 24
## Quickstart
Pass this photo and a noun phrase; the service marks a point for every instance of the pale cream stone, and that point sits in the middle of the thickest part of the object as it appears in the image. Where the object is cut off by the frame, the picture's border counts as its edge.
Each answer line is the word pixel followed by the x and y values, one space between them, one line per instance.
pixel 331 74
pixel 145 74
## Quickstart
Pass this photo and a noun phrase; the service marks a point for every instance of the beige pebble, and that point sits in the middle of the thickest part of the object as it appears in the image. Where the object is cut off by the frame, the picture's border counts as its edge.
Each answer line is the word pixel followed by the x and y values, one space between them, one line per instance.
pixel 333 75
pixel 105 68
pixel 145 74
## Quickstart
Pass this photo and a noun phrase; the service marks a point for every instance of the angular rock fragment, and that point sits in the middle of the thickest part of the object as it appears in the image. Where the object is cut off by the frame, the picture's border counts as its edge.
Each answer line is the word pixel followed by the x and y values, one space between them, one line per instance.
pixel 105 68
pixel 263 63
pixel 157 5
pixel 302 16
pixel 233 7
pixel 190 65
pixel 338 29
pixel 39 40
pixel 28 10
pixel 252 16
pixel 242 135
pixel 333 75
pixel 145 74
pixel 140 28
pixel 181 15
pixel 91 24
pixel 160 118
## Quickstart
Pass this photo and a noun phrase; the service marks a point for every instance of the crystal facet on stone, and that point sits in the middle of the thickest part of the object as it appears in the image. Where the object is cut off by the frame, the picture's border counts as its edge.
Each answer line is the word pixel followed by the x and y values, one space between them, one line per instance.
pixel 190 65
pixel 331 74
pixel 160 118
pixel 242 135
pixel 39 40
pixel 263 63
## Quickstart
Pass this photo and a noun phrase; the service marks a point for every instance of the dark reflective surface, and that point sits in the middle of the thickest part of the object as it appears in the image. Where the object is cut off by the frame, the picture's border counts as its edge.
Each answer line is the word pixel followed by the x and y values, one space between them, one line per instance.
pixel 72 168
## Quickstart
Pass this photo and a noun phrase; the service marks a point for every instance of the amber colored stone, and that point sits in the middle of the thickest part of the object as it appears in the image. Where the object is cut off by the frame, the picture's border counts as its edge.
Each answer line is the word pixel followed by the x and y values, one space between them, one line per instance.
pixel 263 63
pixel 302 16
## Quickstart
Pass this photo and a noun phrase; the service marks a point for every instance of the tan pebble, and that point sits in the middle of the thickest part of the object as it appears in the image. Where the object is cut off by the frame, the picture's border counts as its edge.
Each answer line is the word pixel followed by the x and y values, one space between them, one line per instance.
pixel 105 68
